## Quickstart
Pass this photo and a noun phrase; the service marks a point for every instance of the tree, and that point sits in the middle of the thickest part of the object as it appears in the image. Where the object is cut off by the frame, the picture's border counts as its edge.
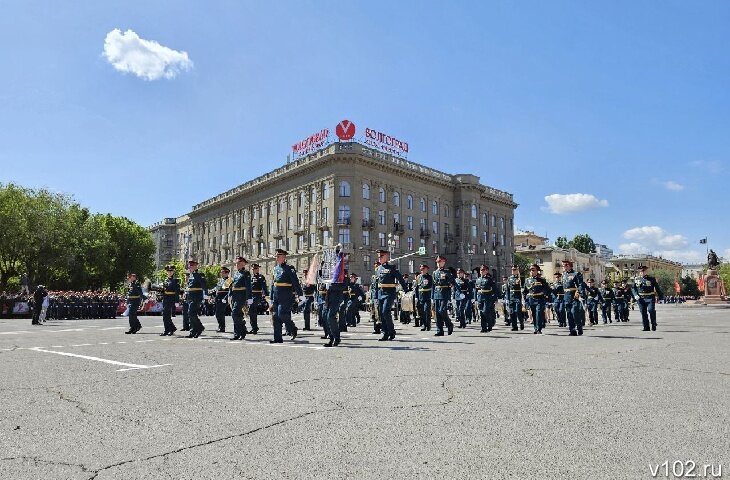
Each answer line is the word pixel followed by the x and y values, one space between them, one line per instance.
pixel 211 273
pixel 523 262
pixel 161 275
pixel 666 280
pixel 583 243
pixel 689 286
pixel 562 242
pixel 724 273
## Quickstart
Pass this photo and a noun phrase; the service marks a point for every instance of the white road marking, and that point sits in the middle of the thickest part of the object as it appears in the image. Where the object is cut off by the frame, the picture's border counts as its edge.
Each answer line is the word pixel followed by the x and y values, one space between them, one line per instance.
pixel 14 333
pixel 57 346
pixel 82 345
pixel 66 330
pixel 121 342
pixel 144 341
pixel 130 366
pixel 104 343
pixel 114 328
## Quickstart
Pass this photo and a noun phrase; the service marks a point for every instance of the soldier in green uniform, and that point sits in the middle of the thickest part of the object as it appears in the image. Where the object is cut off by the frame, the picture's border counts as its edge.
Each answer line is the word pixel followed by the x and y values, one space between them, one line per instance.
pixel 572 285
pixel 240 297
pixel 514 298
pixel 196 290
pixel 619 302
pixel 170 296
pixel 462 294
pixel 608 299
pixel 222 291
pixel 593 299
pixel 443 282
pixel 134 297
pixel 424 287
pixel 355 296
pixel 388 274
pixel 628 295
pixel 184 298
pixel 557 296
pixel 505 302
pixel 536 292
pixel 486 293
pixel 259 291
pixel 322 309
pixel 646 291
pixel 283 288
pixel 374 304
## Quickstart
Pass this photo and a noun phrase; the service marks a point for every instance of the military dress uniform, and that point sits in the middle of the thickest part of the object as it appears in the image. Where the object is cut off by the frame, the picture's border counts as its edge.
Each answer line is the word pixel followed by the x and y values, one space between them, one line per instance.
pixel 514 298
pixel 646 290
pixel 195 290
pixel 443 282
pixel 308 302
pixel 505 303
pixel 608 299
pixel 536 291
pixel 170 296
pixel 355 297
pixel 486 293
pixel 222 291
pixel 619 304
pixel 424 287
pixel 388 275
pixel 377 321
pixel 593 299
pixel 322 309
pixel 259 290
pixel 134 297
pixel 572 283
pixel 283 287
pixel 558 294
pixel 463 295
pixel 405 317
pixel 240 290
pixel 333 301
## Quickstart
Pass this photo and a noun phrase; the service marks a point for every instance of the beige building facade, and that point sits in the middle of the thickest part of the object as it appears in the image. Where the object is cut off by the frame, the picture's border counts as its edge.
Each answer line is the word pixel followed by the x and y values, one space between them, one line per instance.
pixel 351 194
pixel 627 266
pixel 550 258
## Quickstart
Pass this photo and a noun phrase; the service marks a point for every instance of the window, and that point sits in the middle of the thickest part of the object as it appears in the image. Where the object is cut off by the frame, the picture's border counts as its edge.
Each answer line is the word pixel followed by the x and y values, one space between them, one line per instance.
pixel 381 217
pixel 423 204
pixel 325 215
pixel 302 199
pixel 326 238
pixel 366 213
pixel 435 248
pixel 494 221
pixel 269 227
pixel 485 218
pixel 396 241
pixel 300 220
pixel 494 239
pixel 300 242
pixel 289 202
pixel 343 214
pixel 409 202
pixel 473 231
pixel 312 195
pixel 457 212
pixel 446 211
pixel 423 224
pixel 366 262
pixel 344 236
pixel 410 266
pixel 435 207
pixel 365 238
pixel 446 228
pixel 381 195
pixel 396 220
pixel 473 211
pixel 289 223
pixel 502 240
pixel 435 227
pixel 325 191
pixel 409 221
pixel 282 205
pixel 365 191
pixel 312 239
pixel 344 189
pixel 410 244
pixel 381 239
pixel 485 237
pixel 396 199
pixel 279 224
pixel 312 217
pixel 501 223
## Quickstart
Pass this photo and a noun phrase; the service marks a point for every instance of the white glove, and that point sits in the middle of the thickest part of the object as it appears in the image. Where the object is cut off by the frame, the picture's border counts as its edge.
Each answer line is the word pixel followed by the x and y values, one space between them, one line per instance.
pixel 301 298
pixel 637 298
pixel 249 301
pixel 205 297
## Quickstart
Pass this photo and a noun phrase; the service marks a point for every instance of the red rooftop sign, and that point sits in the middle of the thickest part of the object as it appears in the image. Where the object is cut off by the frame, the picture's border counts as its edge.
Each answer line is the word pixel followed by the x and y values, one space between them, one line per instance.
pixel 345 131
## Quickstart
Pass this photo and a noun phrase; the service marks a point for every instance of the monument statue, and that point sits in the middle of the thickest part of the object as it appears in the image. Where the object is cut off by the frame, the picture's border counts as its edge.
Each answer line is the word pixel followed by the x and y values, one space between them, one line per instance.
pixel 712 262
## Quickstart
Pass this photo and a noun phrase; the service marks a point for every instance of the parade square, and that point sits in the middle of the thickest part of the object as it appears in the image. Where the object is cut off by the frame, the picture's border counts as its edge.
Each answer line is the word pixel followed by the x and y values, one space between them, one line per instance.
pixel 470 405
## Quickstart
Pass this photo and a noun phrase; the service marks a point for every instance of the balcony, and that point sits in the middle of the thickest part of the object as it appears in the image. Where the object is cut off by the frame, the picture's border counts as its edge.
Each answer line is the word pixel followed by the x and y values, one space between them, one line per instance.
pixel 448 238
pixel 323 226
pixel 425 233
pixel 368 224
pixel 343 222
pixel 279 234
pixel 299 230
pixel 225 246
pixel 398 229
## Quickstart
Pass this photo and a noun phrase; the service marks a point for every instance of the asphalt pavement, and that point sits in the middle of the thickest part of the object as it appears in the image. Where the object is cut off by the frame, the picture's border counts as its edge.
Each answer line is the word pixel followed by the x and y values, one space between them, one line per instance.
pixel 81 400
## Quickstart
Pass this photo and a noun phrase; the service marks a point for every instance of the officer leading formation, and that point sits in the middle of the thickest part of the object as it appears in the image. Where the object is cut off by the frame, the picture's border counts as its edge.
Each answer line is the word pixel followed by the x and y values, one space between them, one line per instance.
pixel 569 299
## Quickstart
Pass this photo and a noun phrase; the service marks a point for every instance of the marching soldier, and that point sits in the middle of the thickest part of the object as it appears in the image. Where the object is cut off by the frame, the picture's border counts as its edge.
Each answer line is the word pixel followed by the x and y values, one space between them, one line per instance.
pixel 462 295
pixel 443 282
pixel 259 291
pixel 241 287
pixel 486 293
pixel 308 301
pixel 628 295
pixel 388 275
pixel 283 287
pixel 608 300
pixel 572 285
pixel 514 298
pixel 374 303
pixel 195 291
pixel 593 298
pixel 186 318
pixel 505 302
pixel 536 291
pixel 646 292
pixel 322 309
pixel 405 317
pixel 355 297
pixel 335 292
pixel 557 295
pixel 222 290
pixel 134 297
pixel 619 302
pixel 170 295
pixel 424 287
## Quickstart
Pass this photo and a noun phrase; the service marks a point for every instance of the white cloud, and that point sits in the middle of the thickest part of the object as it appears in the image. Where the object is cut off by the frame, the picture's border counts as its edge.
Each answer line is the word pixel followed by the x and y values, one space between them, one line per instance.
pixel 712 166
pixel 572 202
pixel 726 255
pixel 657 241
pixel 672 185
pixel 146 59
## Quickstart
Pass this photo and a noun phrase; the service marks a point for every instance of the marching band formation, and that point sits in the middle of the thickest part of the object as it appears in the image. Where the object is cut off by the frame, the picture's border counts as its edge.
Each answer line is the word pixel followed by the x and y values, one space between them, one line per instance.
pixel 337 297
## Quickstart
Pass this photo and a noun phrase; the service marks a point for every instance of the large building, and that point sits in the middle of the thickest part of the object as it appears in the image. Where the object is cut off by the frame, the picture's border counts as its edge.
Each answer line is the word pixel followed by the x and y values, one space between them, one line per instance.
pixel 347 193
pixel 627 266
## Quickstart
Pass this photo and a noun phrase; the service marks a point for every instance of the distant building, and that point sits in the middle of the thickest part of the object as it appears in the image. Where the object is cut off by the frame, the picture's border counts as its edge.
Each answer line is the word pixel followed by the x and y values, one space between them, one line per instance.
pixel 528 238
pixel 694 271
pixel 604 252
pixel 550 258
pixel 627 266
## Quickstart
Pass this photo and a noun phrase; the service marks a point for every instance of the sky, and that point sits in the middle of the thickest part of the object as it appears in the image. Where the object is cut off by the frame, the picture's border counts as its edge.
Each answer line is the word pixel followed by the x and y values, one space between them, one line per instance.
pixel 606 118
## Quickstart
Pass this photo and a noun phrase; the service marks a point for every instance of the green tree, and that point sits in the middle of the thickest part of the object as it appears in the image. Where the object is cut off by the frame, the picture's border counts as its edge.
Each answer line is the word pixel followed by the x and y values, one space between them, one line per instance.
pixel 665 279
pixel 562 242
pixel 689 286
pixel 161 275
pixel 524 262
pixel 13 227
pixel 211 273
pixel 583 243
pixel 724 273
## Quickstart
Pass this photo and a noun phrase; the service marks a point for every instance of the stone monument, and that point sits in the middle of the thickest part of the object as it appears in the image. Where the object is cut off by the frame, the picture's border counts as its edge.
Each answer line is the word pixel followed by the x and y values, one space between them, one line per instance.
pixel 714 288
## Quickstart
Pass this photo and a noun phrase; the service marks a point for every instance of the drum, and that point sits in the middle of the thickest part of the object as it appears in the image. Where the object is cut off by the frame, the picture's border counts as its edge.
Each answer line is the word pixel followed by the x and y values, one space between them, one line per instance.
pixel 408 302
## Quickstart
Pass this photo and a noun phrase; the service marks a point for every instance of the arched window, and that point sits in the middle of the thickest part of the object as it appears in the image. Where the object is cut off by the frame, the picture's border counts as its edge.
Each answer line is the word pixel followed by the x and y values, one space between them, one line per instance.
pixel 473 211
pixel 365 191
pixel 409 202
pixel 381 194
pixel 446 211
pixel 435 207
pixel 423 204
pixel 396 199
pixel 485 218
pixel 344 189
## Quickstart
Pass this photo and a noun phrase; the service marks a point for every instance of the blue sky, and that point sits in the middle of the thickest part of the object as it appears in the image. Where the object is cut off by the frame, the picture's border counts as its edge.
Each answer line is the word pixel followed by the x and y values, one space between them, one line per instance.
pixel 626 102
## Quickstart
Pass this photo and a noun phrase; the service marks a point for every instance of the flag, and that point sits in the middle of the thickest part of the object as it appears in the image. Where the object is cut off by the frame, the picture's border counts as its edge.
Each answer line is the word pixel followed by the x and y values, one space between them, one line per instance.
pixel 676 287
pixel 312 272
pixel 703 240
pixel 338 273
pixel 701 284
